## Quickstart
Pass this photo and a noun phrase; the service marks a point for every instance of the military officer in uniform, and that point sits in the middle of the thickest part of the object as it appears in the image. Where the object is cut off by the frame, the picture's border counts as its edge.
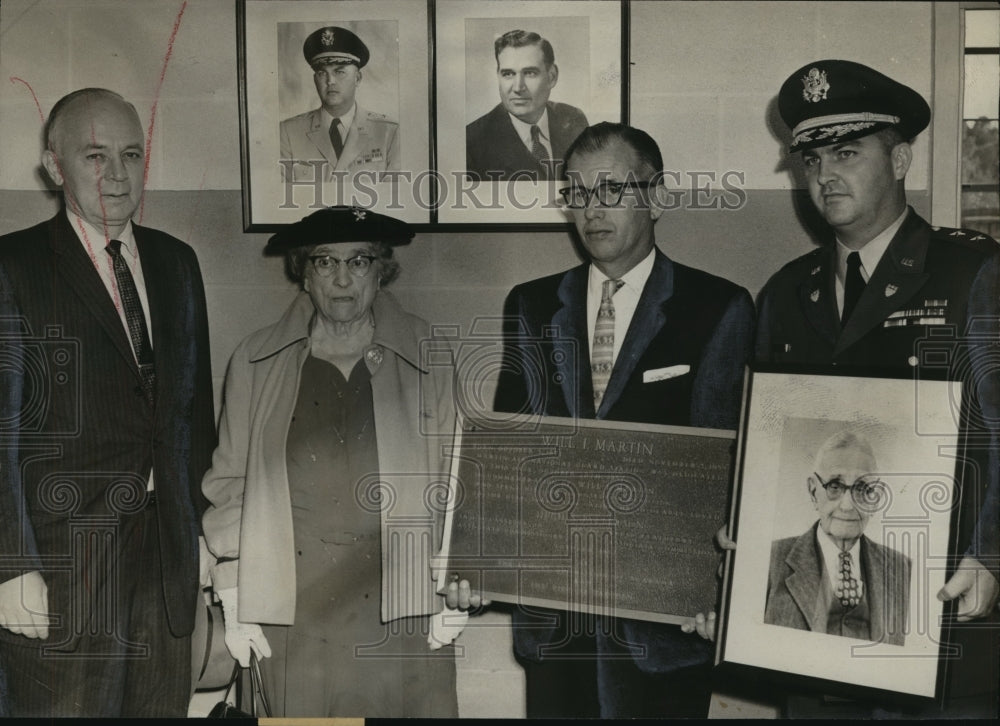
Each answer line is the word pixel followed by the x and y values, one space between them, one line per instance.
pixel 340 136
pixel 889 294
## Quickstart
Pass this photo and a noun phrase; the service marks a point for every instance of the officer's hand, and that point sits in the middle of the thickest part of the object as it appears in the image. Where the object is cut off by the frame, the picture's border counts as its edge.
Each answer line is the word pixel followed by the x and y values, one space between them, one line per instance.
pixel 24 605
pixel 704 625
pixel 975 587
pixel 722 539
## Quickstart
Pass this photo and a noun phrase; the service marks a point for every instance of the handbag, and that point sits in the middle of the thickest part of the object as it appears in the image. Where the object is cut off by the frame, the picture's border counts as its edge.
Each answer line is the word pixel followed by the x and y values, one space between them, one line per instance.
pixel 211 662
pixel 224 709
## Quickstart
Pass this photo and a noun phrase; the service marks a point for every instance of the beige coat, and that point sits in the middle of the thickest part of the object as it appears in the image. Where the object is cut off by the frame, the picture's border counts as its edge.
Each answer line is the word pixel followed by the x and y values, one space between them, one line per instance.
pixel 249 524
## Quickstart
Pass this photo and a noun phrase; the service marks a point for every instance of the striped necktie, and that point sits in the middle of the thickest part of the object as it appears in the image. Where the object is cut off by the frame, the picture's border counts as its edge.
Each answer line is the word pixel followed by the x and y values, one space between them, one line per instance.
pixel 137 331
pixel 602 357
pixel 538 150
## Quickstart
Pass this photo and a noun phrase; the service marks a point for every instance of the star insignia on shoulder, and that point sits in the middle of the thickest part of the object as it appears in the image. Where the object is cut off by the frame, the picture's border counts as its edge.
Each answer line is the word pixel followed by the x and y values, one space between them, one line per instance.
pixel 957 233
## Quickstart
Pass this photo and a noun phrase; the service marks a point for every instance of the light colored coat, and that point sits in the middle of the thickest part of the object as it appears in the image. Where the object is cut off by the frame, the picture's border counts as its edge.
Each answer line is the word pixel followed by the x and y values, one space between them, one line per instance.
pixel 249 525
pixel 372 144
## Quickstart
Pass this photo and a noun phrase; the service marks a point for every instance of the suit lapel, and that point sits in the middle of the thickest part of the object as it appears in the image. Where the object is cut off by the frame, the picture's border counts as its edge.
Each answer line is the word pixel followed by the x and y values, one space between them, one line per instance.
pixel 357 137
pixel 874 570
pixel 817 298
pixel 804 584
pixel 645 326
pixel 156 271
pixel 507 140
pixel 319 134
pixel 77 270
pixel 897 277
pixel 572 344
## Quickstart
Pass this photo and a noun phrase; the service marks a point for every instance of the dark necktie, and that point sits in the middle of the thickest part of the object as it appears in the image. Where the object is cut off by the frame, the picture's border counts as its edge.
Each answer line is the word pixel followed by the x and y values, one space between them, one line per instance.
pixel 538 150
pixel 848 591
pixel 338 143
pixel 854 285
pixel 134 317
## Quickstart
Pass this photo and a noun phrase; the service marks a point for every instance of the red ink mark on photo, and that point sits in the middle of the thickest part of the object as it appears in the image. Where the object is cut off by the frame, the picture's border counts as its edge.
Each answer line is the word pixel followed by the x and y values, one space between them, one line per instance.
pixel 15 79
pixel 156 101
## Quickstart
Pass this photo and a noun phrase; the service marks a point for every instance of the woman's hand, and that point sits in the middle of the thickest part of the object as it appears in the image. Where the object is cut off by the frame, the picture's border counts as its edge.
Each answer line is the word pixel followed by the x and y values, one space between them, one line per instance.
pixel 241 638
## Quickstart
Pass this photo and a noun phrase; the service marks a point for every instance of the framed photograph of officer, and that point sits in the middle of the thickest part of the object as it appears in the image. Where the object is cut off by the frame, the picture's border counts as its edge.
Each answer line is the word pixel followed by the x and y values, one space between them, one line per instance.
pixel 843 519
pixel 516 84
pixel 334 109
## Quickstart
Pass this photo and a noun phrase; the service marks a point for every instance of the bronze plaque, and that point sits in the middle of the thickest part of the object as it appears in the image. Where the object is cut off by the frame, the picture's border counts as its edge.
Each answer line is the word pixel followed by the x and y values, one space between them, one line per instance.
pixel 595 516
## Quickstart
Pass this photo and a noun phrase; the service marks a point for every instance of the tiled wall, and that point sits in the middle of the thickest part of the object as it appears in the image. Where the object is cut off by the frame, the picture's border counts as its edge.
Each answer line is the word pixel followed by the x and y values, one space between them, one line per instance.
pixel 704 77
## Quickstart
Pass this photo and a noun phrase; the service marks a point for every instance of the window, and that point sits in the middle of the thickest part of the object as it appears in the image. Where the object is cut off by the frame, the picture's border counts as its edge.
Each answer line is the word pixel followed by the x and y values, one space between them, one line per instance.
pixel 980 178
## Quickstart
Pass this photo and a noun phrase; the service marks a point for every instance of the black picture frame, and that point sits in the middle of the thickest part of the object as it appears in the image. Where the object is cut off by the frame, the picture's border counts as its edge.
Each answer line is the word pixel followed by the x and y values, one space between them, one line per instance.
pixel 408 90
pixel 286 173
pixel 788 419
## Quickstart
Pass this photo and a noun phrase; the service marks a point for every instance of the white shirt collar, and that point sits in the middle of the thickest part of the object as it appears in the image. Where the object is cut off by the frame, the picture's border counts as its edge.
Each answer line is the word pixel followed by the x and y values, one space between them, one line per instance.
pixel 346 119
pixel 524 129
pixel 94 239
pixel 871 253
pixel 635 279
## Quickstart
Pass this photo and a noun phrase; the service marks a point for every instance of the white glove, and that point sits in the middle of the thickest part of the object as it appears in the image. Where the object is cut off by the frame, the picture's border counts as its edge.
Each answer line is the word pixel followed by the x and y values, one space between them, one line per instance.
pixel 445 627
pixel 241 638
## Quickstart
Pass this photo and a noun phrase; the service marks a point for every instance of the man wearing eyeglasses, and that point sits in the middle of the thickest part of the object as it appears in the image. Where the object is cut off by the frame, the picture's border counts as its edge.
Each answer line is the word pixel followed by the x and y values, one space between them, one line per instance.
pixel 339 136
pixel 833 579
pixel 652 341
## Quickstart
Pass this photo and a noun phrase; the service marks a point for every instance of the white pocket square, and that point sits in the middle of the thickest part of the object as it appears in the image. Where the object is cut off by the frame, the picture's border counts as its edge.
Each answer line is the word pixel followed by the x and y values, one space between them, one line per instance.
pixel 662 374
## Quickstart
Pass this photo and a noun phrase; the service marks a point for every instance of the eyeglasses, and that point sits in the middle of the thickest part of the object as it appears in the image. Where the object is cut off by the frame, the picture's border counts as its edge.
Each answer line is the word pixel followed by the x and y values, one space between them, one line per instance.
pixel 325 265
pixel 867 494
pixel 607 193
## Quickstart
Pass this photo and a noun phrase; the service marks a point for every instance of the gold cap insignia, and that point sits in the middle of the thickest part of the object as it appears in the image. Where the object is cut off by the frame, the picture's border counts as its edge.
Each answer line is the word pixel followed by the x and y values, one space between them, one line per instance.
pixel 815 85
pixel 327 37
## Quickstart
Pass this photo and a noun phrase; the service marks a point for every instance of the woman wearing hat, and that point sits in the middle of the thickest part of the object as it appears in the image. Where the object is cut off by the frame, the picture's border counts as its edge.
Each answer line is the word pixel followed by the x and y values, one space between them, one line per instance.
pixel 326 488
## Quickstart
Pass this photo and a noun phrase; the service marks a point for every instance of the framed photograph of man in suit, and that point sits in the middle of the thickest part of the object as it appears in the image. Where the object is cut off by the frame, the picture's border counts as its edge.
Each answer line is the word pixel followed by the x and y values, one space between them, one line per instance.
pixel 516 84
pixel 843 515
pixel 334 108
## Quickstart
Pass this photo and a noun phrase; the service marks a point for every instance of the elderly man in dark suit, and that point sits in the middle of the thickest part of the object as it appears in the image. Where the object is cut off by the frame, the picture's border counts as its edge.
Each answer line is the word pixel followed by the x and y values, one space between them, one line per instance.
pixel 892 295
pixel 833 579
pixel 629 336
pixel 108 429
pixel 526 135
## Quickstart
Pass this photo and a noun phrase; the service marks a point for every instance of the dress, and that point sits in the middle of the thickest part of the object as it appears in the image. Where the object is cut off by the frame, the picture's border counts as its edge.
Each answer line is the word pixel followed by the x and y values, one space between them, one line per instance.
pixel 339 659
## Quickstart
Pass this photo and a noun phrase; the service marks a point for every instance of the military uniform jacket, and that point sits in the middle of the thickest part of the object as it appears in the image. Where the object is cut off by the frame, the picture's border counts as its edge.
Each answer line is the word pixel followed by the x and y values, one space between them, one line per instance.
pixel 493 145
pixel 372 144
pixel 685 317
pixel 931 310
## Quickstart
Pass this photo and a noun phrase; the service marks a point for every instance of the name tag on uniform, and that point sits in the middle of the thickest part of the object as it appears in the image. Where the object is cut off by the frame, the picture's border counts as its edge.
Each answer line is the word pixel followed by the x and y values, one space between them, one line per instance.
pixel 662 374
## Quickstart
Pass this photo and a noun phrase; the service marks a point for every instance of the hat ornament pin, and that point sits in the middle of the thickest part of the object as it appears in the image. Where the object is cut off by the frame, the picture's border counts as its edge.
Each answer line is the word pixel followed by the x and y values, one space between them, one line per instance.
pixel 815 85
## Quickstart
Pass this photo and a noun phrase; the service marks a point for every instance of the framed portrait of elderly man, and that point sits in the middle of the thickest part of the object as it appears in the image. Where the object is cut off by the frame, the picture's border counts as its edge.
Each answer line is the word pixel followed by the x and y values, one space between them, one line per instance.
pixel 843 518
pixel 516 84
pixel 333 108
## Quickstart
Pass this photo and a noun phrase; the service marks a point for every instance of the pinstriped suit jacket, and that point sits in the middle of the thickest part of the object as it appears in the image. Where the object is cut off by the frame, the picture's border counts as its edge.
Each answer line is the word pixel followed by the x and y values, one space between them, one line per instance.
pixel 79 438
